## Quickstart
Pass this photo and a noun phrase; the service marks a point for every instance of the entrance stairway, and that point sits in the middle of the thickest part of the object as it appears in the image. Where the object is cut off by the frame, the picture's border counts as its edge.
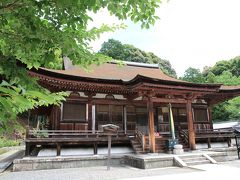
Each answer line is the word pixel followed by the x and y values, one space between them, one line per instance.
pixel 139 139
pixel 192 160
pixel 138 149
pixel 136 145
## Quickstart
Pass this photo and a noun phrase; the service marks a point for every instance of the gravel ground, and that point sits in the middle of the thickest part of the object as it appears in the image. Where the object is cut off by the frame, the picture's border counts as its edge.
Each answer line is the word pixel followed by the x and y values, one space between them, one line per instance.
pixel 96 173
pixel 124 172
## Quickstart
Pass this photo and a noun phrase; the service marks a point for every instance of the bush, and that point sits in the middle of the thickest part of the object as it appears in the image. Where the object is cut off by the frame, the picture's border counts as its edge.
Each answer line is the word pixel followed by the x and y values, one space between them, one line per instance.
pixel 8 142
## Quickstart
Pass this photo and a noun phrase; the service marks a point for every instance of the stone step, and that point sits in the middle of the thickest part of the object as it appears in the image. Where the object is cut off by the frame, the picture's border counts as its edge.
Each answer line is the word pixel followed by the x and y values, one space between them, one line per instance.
pixel 194 158
pixel 192 163
pixel 190 156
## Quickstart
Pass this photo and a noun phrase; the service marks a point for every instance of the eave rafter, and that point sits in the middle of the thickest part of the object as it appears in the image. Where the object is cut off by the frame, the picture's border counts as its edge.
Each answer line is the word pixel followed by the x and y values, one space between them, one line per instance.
pixel 57 84
pixel 157 89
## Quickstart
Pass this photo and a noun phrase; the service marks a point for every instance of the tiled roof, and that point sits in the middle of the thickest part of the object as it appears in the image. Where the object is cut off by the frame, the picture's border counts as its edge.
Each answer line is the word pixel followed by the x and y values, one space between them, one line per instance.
pixel 113 71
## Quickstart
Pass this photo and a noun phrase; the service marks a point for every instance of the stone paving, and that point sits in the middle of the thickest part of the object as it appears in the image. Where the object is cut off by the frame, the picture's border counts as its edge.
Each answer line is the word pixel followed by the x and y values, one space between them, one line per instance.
pixel 11 153
pixel 227 170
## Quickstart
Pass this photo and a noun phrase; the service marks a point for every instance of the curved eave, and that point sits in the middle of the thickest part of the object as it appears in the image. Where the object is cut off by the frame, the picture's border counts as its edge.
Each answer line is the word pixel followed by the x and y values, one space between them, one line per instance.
pixel 230 89
pixel 136 80
pixel 140 78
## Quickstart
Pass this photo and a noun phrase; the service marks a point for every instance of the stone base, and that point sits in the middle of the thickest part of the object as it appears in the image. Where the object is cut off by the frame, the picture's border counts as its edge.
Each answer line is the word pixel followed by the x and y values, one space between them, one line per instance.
pixel 29 164
pixel 178 149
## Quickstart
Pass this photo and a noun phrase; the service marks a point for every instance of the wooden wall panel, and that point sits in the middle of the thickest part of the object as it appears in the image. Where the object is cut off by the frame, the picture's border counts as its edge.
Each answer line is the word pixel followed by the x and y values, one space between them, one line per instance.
pixel 81 126
pixel 66 126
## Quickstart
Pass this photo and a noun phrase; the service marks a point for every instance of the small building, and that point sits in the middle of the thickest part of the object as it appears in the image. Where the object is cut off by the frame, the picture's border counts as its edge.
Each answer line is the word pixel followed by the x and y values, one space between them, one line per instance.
pixel 135 97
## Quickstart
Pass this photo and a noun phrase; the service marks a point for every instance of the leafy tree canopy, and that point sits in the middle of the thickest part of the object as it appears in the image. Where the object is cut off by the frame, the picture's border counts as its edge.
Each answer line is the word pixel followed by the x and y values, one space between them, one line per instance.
pixel 230 109
pixel 223 72
pixel 126 52
pixel 232 65
pixel 193 75
pixel 40 32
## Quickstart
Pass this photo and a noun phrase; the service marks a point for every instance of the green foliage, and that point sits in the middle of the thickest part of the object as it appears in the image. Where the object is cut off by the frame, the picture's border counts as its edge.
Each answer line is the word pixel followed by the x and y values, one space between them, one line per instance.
pixel 20 93
pixel 40 33
pixel 4 142
pixel 230 109
pixel 40 133
pixel 232 65
pixel 126 52
pixel 220 112
pixel 226 78
pixel 223 72
pixel 193 75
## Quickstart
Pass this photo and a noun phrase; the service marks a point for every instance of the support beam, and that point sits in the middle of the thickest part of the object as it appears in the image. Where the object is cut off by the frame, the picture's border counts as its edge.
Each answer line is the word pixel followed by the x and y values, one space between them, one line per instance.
pixel 151 125
pixel 191 133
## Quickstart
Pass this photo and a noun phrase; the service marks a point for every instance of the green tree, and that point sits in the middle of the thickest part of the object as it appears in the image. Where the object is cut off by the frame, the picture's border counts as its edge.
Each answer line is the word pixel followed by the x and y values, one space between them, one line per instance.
pixel 219 73
pixel 193 75
pixel 235 66
pixel 113 48
pixel 126 52
pixel 232 65
pixel 40 32
pixel 229 109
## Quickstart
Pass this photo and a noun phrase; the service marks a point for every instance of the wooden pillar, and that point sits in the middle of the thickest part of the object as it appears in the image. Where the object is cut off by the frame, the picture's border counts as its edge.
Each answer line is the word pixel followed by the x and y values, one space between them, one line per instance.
pixel 209 113
pixel 191 133
pixel 125 119
pixel 151 125
pixel 27 150
pixel 93 118
pixel 209 142
pixel 58 149
pixel 89 109
pixel 95 148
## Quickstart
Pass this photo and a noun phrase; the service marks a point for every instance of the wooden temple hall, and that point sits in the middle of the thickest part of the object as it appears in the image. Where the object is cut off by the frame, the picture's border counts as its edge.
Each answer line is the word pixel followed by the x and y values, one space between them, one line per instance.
pixel 136 97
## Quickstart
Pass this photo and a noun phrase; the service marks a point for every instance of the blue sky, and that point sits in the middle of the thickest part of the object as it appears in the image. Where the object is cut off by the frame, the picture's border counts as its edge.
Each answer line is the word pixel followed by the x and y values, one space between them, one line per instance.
pixel 194 33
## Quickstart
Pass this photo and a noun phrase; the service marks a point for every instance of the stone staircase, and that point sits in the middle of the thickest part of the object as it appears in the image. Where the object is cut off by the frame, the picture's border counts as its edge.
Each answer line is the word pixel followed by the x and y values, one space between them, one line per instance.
pixel 192 160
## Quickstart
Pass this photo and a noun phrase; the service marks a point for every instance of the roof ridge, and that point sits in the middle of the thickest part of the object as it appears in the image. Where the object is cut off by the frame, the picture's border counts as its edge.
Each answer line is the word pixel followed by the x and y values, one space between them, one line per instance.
pixel 136 64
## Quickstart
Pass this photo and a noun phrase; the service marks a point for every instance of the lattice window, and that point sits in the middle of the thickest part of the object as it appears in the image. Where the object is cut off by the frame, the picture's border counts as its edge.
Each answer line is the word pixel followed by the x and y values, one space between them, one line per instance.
pixel 200 115
pixel 73 111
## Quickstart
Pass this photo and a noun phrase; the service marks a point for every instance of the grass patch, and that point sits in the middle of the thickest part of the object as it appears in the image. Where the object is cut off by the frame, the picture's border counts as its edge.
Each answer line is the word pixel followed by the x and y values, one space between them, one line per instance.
pixel 12 132
pixel 8 142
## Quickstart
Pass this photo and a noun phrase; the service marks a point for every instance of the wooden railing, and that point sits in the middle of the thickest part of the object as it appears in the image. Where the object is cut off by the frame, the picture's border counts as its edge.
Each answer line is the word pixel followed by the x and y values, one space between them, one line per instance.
pixel 210 134
pixel 61 138
pixel 184 135
pixel 142 138
pixel 58 134
pixel 223 132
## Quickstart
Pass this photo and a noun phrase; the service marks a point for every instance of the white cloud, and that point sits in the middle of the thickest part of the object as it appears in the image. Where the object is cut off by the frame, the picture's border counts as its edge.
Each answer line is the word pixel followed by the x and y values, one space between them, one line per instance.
pixel 194 33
